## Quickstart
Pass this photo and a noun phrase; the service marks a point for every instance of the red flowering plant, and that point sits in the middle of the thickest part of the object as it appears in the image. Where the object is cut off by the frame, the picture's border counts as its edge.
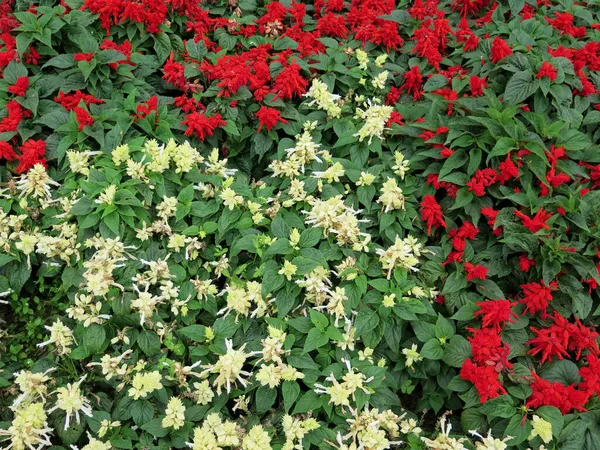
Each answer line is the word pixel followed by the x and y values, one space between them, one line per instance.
pixel 395 203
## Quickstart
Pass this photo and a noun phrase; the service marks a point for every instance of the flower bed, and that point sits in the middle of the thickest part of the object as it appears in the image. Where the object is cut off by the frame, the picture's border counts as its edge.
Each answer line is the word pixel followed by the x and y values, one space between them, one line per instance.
pixel 338 225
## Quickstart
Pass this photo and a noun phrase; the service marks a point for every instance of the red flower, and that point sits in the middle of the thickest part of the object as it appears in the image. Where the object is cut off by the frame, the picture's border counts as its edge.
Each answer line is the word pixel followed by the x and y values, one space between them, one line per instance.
pixel 488 349
pixel 525 263
pixel 591 376
pixel 332 25
pixel 537 296
pixel 468 231
pixel 145 109
pixel 449 95
pixel 83 56
pixel 496 313
pixel 202 125
pixel 500 49
pixel 83 118
pixel 536 223
pixel 20 87
pixel 413 82
pixel 565 398
pixel 269 117
pixel 490 214
pixel 174 74
pixel 547 70
pixel 289 83
pixel 507 170
pixel 485 379
pixel 6 151
pixel 70 101
pixel 32 153
pixel 475 272
pixel 482 179
pixel 15 114
pixel 431 213
pixel 477 85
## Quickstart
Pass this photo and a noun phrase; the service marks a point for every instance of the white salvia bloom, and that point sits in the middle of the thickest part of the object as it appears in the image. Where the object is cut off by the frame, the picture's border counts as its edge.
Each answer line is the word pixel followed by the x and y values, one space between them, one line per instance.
pixel 489 443
pixel 402 165
pixel 214 166
pixel 229 367
pixel 94 444
pixel 443 441
pixel 70 400
pixel 379 81
pixel 412 355
pixel 79 162
pixel 32 385
pixel 60 335
pixel 120 154
pixel 410 426
pixel 203 394
pixel 107 196
pixel 29 429
pixel 324 99
pixel 375 117
pixel 185 157
pixel 256 439
pixel 333 173
pixel 36 183
pixel 404 254
pixel 541 428
pixel 144 384
pixel 362 57
pixel 174 414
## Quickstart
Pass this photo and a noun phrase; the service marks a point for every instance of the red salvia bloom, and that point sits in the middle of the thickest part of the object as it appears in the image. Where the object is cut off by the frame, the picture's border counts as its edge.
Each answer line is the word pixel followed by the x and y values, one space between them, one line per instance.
pixel 83 56
pixel 269 117
pixel 332 25
pixel 145 109
pixel 477 85
pixel 547 70
pixel 564 22
pixel 496 313
pixel 413 82
pixel 537 222
pixel 83 118
pixel 490 214
pixel 482 179
pixel 70 101
pixel 525 263
pixel 201 125
pixel 500 49
pixel 289 83
pixel 565 398
pixel 591 376
pixel 15 113
pixel 478 272
pixel 32 153
pixel 431 213
pixel 449 95
pixel 484 378
pixel 174 73
pixel 20 87
pixel 507 170
pixel 488 349
pixel 6 151
pixel 537 296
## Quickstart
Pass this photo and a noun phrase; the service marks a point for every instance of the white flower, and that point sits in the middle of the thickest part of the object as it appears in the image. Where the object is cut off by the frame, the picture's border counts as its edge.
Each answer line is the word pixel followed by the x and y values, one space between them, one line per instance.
pixel 412 355
pixel 60 335
pixel 174 414
pixel 70 400
pixel 541 428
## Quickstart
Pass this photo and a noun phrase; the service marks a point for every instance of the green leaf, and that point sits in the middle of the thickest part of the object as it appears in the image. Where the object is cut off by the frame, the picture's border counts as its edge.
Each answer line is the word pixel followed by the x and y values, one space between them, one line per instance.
pixel 310 401
pixel 94 337
pixel 457 350
pixel 290 391
pixel 194 332
pixel 162 47
pixel 443 328
pixel 265 398
pixel 318 319
pixel 454 283
pixel 520 86
pixel 366 320
pixel 310 237
pixel 149 342
pixel 142 411
pixel 154 427
pixel 432 349
pixel 315 339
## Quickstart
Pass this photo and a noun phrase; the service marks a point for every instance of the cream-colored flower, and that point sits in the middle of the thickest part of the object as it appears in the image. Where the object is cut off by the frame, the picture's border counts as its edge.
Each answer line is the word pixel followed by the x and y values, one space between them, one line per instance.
pixel 541 428
pixel 174 414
